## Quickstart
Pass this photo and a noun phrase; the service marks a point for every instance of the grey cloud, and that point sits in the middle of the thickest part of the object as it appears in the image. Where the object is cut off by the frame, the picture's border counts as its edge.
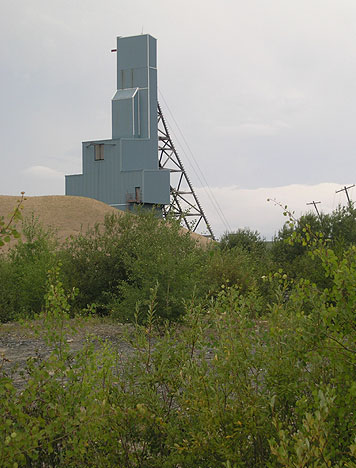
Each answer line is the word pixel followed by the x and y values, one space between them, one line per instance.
pixel 264 92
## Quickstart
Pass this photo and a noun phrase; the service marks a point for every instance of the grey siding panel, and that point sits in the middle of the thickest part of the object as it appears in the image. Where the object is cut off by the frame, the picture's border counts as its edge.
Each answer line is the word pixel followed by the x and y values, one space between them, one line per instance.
pixel 138 154
pixel 140 77
pixel 156 187
pixel 144 113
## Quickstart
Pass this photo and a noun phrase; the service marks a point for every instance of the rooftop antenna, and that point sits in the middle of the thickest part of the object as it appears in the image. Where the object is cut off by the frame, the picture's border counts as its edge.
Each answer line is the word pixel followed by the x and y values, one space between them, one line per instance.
pixel 345 189
pixel 316 208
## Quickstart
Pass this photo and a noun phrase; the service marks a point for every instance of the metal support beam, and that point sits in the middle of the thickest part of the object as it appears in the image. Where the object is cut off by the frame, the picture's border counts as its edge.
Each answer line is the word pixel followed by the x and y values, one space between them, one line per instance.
pixel 184 201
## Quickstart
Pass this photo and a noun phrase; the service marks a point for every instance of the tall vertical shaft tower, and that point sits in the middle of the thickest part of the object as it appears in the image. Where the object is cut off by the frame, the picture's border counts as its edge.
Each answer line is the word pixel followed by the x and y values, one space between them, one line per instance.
pixel 124 170
pixel 134 167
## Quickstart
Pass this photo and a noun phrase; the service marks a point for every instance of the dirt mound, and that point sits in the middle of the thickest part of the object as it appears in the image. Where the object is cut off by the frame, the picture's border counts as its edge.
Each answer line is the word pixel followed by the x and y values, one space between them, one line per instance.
pixel 67 215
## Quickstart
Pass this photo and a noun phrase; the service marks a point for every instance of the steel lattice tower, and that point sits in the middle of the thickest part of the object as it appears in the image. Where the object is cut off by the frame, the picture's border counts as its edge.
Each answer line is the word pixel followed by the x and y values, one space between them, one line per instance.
pixel 184 203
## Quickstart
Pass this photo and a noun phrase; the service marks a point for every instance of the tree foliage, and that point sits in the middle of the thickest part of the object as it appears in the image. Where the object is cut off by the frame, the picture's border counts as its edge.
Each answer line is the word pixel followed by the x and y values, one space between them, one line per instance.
pixel 23 271
pixel 116 265
pixel 337 228
pixel 223 389
pixel 245 239
pixel 250 377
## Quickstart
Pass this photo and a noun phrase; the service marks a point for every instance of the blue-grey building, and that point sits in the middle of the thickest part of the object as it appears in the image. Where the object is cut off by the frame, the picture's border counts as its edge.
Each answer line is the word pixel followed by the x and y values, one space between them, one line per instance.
pixel 124 171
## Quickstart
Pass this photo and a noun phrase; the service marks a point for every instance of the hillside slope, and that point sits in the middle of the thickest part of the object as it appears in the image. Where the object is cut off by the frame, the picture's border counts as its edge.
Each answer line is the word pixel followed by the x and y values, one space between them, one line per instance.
pixel 67 215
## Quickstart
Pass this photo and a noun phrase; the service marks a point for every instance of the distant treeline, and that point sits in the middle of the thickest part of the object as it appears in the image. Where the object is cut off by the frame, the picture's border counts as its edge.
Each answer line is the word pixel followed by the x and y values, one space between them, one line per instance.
pixel 114 266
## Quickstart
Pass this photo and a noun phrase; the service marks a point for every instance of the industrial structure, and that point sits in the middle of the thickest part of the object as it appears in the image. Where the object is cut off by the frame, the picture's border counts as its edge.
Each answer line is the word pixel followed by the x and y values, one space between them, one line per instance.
pixel 135 166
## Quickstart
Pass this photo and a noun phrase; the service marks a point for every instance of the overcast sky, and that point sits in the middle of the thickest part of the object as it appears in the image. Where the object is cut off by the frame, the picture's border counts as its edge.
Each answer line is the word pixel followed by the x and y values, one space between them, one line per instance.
pixel 264 92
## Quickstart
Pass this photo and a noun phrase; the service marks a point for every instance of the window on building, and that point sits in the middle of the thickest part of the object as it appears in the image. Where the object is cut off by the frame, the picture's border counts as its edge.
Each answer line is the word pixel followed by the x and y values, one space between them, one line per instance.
pixel 99 152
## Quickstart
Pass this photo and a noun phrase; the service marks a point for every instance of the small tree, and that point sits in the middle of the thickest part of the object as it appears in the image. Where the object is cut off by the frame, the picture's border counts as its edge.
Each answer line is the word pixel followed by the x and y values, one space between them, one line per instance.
pixel 339 230
pixel 246 239
pixel 115 265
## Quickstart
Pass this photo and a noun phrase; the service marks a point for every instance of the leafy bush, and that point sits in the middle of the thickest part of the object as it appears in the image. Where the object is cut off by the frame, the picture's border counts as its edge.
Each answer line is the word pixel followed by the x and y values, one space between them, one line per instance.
pixel 339 228
pixel 234 267
pixel 23 271
pixel 245 239
pixel 222 389
pixel 44 425
pixel 8 294
pixel 243 262
pixel 314 444
pixel 233 385
pixel 116 265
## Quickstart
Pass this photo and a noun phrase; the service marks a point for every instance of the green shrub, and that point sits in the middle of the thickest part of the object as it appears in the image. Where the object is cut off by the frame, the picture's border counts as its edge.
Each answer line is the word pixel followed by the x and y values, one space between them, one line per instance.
pixel 313 444
pixel 339 228
pixel 48 422
pixel 230 386
pixel 222 389
pixel 23 271
pixel 116 265
pixel 31 259
pixel 245 239
pixel 233 267
pixel 239 268
pixel 8 294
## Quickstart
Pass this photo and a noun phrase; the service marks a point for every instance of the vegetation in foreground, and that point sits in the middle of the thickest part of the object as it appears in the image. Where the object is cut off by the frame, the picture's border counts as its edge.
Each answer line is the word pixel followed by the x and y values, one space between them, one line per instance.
pixel 234 362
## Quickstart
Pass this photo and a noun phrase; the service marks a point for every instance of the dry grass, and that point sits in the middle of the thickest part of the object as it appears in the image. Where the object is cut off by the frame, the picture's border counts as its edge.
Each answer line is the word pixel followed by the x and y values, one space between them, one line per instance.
pixel 66 215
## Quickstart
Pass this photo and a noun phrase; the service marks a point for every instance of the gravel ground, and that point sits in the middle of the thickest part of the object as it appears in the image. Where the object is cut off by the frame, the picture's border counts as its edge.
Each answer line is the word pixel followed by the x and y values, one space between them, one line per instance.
pixel 18 343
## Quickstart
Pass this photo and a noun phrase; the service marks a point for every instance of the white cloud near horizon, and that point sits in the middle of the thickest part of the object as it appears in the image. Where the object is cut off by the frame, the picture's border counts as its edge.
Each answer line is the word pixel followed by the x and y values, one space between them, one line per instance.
pixel 43 172
pixel 249 207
